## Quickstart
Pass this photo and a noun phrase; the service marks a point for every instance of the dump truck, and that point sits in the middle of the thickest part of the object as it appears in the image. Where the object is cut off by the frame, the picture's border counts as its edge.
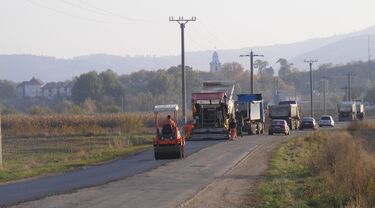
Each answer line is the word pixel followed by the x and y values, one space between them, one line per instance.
pixel 168 141
pixel 250 113
pixel 347 111
pixel 212 109
pixel 288 111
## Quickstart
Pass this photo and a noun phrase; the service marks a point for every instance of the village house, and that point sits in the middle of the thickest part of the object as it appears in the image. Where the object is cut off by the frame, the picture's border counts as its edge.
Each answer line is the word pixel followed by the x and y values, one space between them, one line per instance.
pixel 57 89
pixel 32 88
pixel 36 88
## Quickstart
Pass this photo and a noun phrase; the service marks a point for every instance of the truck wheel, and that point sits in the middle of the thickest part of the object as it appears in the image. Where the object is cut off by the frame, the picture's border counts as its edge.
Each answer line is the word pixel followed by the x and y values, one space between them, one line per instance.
pixel 270 133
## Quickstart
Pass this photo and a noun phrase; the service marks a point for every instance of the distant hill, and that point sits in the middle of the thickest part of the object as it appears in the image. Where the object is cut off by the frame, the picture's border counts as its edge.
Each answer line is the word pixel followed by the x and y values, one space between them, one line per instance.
pixel 340 52
pixel 336 49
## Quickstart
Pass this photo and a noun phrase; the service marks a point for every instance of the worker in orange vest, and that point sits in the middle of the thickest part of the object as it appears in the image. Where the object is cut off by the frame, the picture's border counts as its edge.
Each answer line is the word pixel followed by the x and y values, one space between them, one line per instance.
pixel 233 129
pixel 170 121
pixel 188 128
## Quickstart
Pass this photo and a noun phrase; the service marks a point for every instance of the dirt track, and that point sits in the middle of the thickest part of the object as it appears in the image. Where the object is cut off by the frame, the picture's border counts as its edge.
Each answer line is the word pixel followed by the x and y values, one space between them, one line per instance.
pixel 237 187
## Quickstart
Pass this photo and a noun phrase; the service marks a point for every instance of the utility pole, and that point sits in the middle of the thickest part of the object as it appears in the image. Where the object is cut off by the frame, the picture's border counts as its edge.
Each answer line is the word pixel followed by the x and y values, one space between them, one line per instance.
pixel 1 148
pixel 182 22
pixel 122 104
pixel 369 57
pixel 349 87
pixel 346 92
pixel 251 55
pixel 325 79
pixel 311 85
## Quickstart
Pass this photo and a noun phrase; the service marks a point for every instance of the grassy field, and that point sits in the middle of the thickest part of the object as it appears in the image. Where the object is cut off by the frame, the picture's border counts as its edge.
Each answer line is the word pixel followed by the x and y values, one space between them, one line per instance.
pixel 28 157
pixel 21 126
pixel 37 145
pixel 324 169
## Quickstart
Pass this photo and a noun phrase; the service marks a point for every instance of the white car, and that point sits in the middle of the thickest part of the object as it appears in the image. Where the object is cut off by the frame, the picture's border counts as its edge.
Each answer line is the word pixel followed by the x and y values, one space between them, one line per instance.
pixel 326 120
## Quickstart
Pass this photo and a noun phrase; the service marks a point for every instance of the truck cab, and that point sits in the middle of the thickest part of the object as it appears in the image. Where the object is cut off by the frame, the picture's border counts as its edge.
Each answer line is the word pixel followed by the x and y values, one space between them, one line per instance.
pixel 347 111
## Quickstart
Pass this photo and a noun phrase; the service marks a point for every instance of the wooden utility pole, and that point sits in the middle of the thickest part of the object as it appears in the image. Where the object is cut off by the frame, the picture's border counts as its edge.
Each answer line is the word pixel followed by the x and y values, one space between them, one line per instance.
pixel 1 147
pixel 349 86
pixel 325 79
pixel 310 62
pixel 251 55
pixel 182 22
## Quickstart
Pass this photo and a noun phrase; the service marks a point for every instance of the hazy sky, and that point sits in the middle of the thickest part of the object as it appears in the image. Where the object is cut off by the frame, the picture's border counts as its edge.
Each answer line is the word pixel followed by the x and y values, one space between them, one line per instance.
pixel 67 28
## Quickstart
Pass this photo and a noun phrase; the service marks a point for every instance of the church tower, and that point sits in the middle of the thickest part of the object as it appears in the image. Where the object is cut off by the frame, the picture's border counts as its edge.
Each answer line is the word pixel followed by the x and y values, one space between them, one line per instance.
pixel 215 64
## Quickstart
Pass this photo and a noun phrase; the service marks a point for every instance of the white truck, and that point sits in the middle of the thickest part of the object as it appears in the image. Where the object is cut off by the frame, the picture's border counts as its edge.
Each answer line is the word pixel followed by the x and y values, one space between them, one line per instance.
pixel 347 111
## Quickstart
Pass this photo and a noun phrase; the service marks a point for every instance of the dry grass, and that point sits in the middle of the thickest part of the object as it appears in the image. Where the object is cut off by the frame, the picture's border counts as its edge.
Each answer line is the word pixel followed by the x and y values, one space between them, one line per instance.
pixel 18 126
pixel 324 169
pixel 367 125
pixel 346 168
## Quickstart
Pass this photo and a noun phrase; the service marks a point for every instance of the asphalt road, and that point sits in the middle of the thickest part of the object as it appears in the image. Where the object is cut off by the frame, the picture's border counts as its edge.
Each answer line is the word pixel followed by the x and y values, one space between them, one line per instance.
pixel 138 180
pixel 12 193
pixel 169 185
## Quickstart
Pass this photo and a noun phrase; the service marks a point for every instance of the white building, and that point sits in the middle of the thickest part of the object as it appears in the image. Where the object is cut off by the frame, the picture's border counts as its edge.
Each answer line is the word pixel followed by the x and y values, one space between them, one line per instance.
pixel 215 64
pixel 57 89
pixel 32 88
pixel 36 88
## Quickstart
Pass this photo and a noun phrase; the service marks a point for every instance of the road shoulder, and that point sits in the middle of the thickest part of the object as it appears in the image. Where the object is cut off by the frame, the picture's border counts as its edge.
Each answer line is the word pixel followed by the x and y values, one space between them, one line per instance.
pixel 239 186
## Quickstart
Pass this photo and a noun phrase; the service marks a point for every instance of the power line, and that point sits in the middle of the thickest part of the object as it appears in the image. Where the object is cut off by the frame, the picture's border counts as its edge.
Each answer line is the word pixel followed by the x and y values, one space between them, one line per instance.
pixel 37 4
pixel 203 36
pixel 211 34
pixel 108 13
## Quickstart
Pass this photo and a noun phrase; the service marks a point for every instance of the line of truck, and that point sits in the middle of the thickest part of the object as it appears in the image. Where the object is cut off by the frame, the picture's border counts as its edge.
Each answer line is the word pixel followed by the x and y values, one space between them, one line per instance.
pixel 214 107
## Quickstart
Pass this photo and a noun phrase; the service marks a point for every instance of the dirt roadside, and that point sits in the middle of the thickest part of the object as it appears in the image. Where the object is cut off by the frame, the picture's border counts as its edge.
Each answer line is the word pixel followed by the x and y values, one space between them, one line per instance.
pixel 239 186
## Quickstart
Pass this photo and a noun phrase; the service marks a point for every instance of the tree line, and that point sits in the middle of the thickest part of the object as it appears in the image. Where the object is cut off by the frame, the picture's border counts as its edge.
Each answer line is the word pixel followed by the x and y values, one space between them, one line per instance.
pixel 109 92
